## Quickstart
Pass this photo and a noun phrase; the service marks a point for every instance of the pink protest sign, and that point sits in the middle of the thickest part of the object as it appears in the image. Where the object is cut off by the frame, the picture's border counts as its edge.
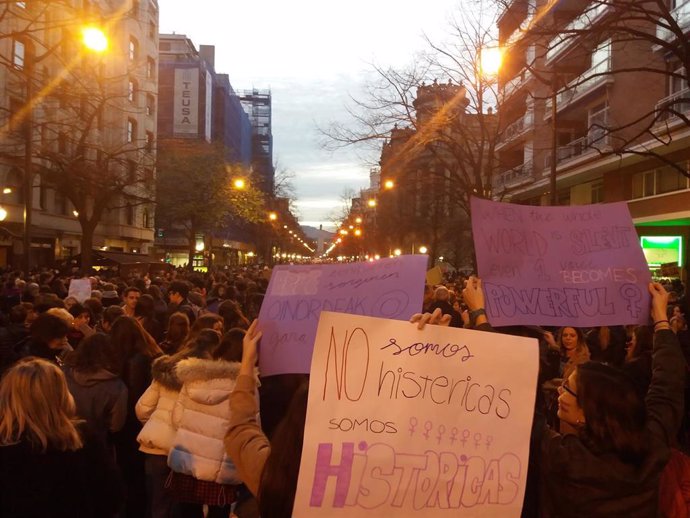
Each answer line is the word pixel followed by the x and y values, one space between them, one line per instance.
pixel 405 422
pixel 296 295
pixel 576 265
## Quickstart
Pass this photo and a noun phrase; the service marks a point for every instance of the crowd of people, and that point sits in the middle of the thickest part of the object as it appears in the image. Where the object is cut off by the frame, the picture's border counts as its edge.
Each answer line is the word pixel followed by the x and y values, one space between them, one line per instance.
pixel 144 400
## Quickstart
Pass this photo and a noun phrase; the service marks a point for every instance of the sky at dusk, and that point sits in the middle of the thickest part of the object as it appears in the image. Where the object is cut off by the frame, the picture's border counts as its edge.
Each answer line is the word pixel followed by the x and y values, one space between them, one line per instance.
pixel 313 55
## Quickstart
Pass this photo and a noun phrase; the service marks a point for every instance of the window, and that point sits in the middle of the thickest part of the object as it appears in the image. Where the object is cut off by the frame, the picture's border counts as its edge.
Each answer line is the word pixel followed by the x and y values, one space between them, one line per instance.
pixel 21 5
pixel 677 81
pixel 16 119
pixel 130 214
pixel 18 54
pixel 146 219
pixel 658 181
pixel 150 104
pixel 152 29
pixel 131 90
pixel 597 192
pixel 149 141
pixel 61 205
pixel 150 68
pixel 42 195
pixel 15 181
pixel 133 48
pixel 131 130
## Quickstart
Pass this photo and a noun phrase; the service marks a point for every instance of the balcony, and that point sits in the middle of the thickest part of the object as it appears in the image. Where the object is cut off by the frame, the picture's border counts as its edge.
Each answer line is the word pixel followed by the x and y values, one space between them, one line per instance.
pixel 670 107
pixel 582 85
pixel 596 140
pixel 517 128
pixel 681 15
pixel 570 32
pixel 516 83
pixel 524 173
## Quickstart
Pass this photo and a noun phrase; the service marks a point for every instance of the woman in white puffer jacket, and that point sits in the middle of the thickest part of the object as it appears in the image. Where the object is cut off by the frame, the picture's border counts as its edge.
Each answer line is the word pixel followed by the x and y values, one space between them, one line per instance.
pixel 154 409
pixel 202 471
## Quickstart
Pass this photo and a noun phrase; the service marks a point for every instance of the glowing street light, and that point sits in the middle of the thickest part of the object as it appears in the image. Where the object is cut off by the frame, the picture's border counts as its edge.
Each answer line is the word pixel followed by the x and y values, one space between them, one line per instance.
pixel 75 213
pixel 371 202
pixel 423 249
pixel 490 60
pixel 388 184
pixel 3 214
pixel 272 216
pixel 7 190
pixel 397 252
pixel 239 183
pixel 342 232
pixel 358 220
pixel 94 39
pixel 358 232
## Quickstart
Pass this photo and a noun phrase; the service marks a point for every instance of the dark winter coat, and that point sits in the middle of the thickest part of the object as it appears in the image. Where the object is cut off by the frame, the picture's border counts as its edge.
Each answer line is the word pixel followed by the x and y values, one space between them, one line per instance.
pixel 580 483
pixel 101 399
pixel 55 484
pixel 41 350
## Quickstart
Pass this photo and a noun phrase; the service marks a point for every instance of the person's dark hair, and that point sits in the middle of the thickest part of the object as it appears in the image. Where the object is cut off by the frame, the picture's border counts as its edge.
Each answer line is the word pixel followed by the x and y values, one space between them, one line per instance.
pixel 18 314
pixel 78 310
pixel 177 332
pixel 279 477
pixel 615 414
pixel 95 306
pixel 127 291
pixel 180 287
pixel 112 313
pixel 94 353
pixel 47 328
pixel 145 307
pixel 204 322
pixel 155 292
pixel 232 315
pixel 129 338
pixel 644 341
pixel 230 348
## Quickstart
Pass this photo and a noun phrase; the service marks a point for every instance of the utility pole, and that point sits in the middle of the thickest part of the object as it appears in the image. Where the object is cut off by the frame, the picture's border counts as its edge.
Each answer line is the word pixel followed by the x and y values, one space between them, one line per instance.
pixel 28 164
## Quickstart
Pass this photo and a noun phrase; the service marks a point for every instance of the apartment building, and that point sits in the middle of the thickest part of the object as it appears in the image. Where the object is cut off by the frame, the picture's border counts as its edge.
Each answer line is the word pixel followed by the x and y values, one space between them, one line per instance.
pixel 572 85
pixel 94 116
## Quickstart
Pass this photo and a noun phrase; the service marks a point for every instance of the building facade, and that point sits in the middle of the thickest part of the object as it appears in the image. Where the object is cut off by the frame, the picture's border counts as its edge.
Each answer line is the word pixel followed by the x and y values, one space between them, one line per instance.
pixel 258 106
pixel 83 124
pixel 198 104
pixel 582 109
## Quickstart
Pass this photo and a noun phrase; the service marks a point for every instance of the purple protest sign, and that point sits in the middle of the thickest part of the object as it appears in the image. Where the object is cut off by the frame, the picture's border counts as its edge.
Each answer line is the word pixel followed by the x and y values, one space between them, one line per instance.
pixel 576 265
pixel 296 295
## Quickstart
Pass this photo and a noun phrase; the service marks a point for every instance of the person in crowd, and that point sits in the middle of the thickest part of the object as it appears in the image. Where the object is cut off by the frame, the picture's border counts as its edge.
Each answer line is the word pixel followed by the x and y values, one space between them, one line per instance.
pixel 134 351
pixel 110 296
pixel 80 325
pixel 177 293
pixel 160 308
pixel 442 301
pixel 48 339
pixel 203 474
pixel 13 336
pixel 268 469
pixel 110 315
pixel 49 464
pixel 130 297
pixel 95 306
pixel 610 465
pixel 154 410
pixel 570 342
pixel 99 394
pixel 69 302
pixel 217 296
pixel 208 321
pixel 638 360
pixel 177 333
pixel 144 312
pixel 232 315
pixel 607 344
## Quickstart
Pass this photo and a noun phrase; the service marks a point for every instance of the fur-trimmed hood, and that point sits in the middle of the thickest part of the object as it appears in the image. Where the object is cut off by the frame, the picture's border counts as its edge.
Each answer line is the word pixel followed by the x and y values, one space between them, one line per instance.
pixel 208 382
pixel 163 371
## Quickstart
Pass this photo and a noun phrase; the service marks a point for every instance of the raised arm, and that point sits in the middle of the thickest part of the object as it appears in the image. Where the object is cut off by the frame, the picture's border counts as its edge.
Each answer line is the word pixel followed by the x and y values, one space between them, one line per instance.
pixel 665 395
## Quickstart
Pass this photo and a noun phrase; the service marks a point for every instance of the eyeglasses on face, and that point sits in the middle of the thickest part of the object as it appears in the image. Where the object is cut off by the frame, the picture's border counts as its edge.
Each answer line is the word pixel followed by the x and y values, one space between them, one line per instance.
pixel 566 386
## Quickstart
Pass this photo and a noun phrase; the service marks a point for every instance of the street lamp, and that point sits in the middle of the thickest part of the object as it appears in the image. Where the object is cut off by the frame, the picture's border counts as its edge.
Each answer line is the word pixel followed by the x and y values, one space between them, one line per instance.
pixel 272 216
pixel 397 252
pixel 388 184
pixel 371 202
pixel 94 40
pixel 490 60
pixel 358 220
pixel 3 214
pixel 239 183
pixel 358 232
pixel 423 249
pixel 7 190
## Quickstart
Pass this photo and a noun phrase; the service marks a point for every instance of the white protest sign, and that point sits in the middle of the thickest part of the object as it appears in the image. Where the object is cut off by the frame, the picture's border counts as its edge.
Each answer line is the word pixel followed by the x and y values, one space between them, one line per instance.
pixel 80 289
pixel 403 422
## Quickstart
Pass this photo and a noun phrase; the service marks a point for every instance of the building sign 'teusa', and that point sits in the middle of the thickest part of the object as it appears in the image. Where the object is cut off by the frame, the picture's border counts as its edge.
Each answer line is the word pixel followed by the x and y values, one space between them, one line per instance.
pixel 186 101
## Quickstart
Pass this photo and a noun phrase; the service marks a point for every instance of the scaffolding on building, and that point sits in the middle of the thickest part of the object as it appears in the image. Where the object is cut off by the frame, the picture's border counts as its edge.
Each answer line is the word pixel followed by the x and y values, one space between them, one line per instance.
pixel 257 105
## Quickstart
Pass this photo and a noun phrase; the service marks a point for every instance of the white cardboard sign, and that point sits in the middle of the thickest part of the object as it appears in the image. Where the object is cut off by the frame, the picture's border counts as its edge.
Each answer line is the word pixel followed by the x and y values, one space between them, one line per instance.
pixel 403 422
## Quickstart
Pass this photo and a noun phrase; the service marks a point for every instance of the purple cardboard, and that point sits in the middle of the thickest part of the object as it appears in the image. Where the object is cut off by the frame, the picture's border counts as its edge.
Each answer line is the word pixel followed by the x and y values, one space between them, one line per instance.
pixel 296 295
pixel 577 265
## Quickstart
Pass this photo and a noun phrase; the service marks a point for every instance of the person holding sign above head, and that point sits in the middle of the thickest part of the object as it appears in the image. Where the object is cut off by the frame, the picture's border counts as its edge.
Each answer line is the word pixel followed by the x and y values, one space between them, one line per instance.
pixel 612 463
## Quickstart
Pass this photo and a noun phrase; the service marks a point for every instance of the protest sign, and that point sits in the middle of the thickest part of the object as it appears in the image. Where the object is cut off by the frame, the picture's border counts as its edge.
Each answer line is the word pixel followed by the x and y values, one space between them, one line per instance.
pixel 576 265
pixel 403 422
pixel 80 289
pixel 434 276
pixel 296 295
